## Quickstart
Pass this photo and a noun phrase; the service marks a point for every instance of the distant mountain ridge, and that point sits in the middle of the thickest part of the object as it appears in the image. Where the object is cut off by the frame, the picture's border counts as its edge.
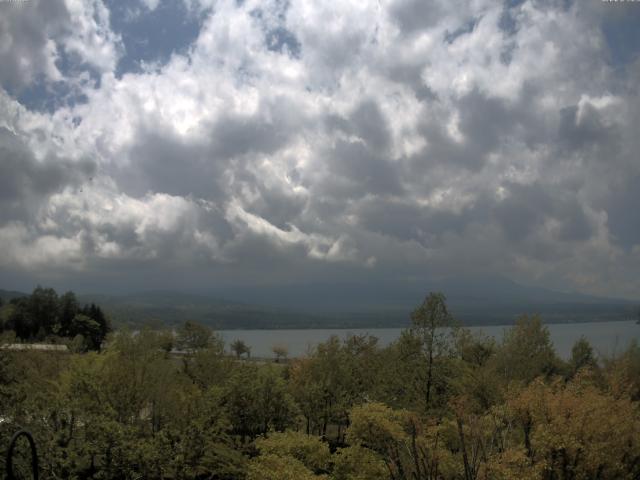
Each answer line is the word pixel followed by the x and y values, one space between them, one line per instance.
pixel 484 301
pixel 7 295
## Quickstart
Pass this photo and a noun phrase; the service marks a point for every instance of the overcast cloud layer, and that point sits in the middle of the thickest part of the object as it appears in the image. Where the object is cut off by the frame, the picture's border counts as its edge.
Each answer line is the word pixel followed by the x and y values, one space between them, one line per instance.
pixel 205 143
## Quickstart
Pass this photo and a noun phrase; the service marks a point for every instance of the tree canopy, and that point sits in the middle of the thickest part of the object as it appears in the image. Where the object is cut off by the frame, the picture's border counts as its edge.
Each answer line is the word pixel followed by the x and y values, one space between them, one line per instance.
pixel 45 316
pixel 349 410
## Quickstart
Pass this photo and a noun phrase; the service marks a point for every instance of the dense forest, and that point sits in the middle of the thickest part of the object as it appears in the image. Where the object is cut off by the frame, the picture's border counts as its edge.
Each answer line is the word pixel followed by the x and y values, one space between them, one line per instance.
pixel 439 403
pixel 44 316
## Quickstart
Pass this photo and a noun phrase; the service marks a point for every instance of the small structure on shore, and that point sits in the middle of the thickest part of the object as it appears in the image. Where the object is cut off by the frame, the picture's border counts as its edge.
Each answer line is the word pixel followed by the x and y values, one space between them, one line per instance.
pixel 42 347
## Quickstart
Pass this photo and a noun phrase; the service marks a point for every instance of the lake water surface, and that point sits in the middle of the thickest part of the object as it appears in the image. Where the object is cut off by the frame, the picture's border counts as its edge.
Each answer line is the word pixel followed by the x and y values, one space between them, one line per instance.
pixel 605 337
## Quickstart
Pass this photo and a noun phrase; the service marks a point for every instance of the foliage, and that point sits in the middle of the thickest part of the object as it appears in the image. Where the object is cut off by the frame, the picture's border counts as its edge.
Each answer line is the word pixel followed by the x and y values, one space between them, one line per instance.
pixel 358 463
pixel 350 410
pixel 276 467
pixel 239 347
pixel 43 316
pixel 280 351
pixel 582 356
pixel 526 351
pixel 431 328
pixel 194 336
pixel 311 451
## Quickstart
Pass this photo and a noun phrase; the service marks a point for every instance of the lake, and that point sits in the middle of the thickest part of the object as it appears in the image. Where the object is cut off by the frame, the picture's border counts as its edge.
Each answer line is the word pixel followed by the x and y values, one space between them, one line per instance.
pixel 605 337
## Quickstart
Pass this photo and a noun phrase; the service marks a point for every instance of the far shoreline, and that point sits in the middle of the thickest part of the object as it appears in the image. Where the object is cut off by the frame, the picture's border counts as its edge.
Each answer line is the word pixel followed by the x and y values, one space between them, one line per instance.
pixel 408 325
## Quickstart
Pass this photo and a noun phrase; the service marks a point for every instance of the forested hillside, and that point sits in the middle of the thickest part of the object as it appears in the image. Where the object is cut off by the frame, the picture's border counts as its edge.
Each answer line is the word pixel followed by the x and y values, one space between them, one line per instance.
pixel 436 404
pixel 44 316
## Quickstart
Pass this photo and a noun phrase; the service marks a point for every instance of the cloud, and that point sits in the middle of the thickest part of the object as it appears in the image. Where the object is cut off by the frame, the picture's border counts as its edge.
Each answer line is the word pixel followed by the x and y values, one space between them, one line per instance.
pixel 47 40
pixel 295 141
pixel 28 48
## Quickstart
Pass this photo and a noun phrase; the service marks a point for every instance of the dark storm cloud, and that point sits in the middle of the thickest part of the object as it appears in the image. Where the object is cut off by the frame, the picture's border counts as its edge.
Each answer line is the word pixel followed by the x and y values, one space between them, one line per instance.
pixel 357 170
pixel 370 125
pixel 26 182
pixel 622 213
pixel 585 129
pixel 235 135
pixel 423 224
pixel 526 208
pixel 163 162
pixel 361 165
pixel 416 15
pixel 275 206
pixel 366 122
pixel 485 124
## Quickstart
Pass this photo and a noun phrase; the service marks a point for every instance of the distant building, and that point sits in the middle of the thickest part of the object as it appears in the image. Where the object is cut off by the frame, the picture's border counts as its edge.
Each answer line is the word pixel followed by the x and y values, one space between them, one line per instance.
pixel 43 347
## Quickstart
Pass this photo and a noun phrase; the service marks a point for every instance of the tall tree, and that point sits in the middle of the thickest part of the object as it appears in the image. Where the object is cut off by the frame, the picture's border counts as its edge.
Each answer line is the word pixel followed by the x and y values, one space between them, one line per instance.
pixel 42 311
pixel 67 309
pixel 431 325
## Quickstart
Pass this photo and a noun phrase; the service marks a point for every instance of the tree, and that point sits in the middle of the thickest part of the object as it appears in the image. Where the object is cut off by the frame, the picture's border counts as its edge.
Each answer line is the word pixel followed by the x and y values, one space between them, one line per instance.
pixel 576 431
pixel 43 314
pixel 257 400
pixel 581 356
pixel 275 467
pixel 527 352
pixel 67 309
pixel 280 351
pixel 310 450
pixel 240 348
pixel 88 329
pixel 623 372
pixel 407 448
pixel 42 310
pixel 98 315
pixel 358 463
pixel 195 336
pixel 431 325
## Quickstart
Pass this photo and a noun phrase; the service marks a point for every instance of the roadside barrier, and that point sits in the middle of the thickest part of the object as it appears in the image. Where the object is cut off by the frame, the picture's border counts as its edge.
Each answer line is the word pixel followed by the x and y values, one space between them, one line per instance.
pixel 10 453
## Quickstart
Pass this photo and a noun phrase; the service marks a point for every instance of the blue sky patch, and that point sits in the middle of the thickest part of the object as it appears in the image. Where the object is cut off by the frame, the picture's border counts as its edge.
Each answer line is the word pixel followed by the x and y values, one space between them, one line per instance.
pixel 622 33
pixel 152 36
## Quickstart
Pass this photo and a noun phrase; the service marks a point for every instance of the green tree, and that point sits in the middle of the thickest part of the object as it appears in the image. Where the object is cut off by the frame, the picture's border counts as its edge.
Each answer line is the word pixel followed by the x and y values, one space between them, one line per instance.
pixel 257 400
pixel 42 312
pixel 526 351
pixel 207 368
pixel 88 329
pixel 407 449
pixel 310 450
pixel 239 347
pixel 195 336
pixel 276 467
pixel 582 356
pixel 623 372
pixel 576 431
pixel 280 351
pixel 67 309
pixel 431 325
pixel 358 463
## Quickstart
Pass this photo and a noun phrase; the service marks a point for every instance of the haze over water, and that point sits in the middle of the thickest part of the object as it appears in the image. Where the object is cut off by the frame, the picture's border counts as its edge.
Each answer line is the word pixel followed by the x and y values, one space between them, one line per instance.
pixel 605 337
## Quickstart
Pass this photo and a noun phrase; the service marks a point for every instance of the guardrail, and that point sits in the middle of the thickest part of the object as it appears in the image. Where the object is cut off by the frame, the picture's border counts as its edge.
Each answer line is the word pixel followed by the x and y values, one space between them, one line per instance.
pixel 10 453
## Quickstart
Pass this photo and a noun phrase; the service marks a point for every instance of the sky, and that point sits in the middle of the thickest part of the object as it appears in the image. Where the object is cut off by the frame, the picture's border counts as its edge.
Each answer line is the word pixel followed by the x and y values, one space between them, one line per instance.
pixel 201 144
